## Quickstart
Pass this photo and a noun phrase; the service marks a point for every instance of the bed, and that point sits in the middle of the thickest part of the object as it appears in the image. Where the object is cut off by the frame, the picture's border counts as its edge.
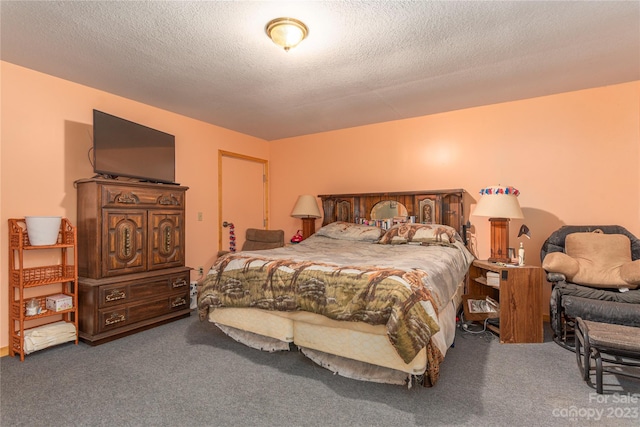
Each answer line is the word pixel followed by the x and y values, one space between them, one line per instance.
pixel 372 299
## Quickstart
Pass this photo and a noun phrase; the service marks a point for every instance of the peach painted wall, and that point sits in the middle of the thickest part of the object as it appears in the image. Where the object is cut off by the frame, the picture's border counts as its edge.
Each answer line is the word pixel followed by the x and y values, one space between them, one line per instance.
pixel 46 135
pixel 574 157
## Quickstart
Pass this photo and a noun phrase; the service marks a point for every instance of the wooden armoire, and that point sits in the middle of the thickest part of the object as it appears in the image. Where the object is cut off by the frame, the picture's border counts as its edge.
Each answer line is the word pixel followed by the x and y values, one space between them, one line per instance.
pixel 131 257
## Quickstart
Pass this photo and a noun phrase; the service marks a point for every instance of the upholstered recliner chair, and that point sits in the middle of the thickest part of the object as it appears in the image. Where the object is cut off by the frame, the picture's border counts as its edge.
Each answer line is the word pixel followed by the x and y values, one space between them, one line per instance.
pixel 257 240
pixel 595 274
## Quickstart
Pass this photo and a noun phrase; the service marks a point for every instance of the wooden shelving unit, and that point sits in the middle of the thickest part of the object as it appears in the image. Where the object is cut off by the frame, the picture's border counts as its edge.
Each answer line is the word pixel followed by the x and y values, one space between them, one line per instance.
pixel 520 296
pixel 21 278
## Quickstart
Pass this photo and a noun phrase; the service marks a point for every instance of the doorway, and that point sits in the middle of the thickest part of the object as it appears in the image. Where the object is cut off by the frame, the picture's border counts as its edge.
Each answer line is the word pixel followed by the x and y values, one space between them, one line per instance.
pixel 242 196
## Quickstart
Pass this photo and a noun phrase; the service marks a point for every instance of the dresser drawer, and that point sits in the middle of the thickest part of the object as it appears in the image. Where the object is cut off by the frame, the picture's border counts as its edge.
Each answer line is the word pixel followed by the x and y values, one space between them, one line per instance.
pixel 124 293
pixel 116 317
pixel 123 196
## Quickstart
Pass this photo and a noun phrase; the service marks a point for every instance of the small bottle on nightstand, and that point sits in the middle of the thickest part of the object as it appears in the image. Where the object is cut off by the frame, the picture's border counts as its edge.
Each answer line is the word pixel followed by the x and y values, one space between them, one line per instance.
pixel 521 255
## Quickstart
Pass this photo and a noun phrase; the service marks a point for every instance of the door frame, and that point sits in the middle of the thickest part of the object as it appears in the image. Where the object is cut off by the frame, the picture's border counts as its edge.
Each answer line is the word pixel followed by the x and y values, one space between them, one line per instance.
pixel 265 188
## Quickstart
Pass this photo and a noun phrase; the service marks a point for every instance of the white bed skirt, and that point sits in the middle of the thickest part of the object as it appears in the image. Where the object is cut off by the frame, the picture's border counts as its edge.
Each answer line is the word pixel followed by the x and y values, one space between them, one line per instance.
pixel 322 339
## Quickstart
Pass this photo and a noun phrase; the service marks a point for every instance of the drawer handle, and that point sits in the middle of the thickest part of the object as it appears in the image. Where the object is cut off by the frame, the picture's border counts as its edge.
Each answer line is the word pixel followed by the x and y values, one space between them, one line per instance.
pixel 178 302
pixel 115 318
pixel 115 295
pixel 127 198
pixel 168 200
pixel 179 283
pixel 127 242
pixel 167 239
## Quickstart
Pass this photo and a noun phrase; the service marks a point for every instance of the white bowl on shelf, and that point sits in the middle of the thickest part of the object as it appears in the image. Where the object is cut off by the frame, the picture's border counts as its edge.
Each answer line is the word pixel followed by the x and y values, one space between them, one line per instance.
pixel 43 230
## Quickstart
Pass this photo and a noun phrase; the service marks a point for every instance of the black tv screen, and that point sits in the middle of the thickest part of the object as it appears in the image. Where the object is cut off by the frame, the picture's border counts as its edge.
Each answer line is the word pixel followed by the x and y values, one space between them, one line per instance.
pixel 127 149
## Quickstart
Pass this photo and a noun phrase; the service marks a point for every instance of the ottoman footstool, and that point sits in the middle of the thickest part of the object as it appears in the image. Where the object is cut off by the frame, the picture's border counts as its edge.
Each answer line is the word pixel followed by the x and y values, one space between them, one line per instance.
pixel 619 341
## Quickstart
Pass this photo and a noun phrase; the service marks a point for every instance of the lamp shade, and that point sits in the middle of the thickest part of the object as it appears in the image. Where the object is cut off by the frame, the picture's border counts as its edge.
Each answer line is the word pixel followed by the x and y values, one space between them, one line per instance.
pixel 306 207
pixel 499 202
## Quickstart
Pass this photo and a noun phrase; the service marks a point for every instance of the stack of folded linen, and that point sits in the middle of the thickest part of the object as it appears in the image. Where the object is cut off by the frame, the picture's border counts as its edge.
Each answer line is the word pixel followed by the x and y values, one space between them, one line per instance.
pixel 47 335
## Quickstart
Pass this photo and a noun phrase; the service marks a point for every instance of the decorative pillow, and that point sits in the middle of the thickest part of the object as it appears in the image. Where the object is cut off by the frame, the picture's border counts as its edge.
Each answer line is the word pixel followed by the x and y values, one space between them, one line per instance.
pixel 423 233
pixel 348 231
pixel 596 259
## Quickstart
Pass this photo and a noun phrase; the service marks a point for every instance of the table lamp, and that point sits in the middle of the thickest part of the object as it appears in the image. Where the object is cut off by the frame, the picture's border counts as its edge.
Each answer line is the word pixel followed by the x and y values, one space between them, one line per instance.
pixel 307 209
pixel 500 204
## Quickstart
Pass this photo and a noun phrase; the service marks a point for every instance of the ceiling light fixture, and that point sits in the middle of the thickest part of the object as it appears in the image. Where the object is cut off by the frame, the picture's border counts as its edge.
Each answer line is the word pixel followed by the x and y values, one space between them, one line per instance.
pixel 286 32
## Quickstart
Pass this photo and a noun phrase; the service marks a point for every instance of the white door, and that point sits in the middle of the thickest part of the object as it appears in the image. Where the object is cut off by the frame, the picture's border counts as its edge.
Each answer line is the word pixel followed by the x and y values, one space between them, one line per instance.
pixel 242 196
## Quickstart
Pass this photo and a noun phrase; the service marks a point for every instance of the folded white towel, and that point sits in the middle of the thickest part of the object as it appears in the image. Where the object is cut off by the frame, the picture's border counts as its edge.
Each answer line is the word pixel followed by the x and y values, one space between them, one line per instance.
pixel 48 335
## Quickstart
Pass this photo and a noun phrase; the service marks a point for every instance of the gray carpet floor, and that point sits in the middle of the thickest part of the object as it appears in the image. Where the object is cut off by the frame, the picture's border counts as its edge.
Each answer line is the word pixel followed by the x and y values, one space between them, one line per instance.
pixel 188 373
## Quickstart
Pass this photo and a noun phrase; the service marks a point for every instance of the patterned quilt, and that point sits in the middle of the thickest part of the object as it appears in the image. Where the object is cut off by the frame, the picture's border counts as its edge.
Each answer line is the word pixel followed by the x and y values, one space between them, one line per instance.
pixel 400 286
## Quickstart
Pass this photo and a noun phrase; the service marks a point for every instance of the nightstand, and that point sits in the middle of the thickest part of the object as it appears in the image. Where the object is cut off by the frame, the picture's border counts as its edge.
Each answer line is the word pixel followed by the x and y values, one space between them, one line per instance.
pixel 520 295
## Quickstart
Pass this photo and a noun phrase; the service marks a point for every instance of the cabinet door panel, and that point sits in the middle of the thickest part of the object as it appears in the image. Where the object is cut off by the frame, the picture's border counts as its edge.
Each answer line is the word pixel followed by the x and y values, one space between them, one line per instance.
pixel 166 239
pixel 124 248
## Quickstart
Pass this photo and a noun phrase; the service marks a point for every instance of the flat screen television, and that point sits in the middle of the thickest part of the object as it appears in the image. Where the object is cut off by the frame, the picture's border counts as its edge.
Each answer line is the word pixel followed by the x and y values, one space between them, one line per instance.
pixel 122 148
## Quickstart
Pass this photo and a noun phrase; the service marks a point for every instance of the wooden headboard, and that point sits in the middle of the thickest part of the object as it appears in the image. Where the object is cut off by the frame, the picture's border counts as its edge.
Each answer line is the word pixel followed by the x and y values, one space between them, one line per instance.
pixel 436 206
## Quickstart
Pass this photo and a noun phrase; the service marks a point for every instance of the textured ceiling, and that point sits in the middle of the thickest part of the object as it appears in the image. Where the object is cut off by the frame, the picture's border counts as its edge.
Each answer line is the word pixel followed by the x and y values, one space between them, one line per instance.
pixel 363 62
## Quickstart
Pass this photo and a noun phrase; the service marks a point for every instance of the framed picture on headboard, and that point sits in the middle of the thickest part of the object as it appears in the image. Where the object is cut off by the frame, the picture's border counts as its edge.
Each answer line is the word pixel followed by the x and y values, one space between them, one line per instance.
pixel 427 211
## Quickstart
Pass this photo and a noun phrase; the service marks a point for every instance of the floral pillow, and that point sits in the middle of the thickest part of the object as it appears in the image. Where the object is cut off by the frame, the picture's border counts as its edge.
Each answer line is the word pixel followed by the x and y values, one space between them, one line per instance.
pixel 348 231
pixel 421 233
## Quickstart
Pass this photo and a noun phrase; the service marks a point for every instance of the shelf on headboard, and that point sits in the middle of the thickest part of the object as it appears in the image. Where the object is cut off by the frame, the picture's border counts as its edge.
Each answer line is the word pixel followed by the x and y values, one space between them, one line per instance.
pixel 432 206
